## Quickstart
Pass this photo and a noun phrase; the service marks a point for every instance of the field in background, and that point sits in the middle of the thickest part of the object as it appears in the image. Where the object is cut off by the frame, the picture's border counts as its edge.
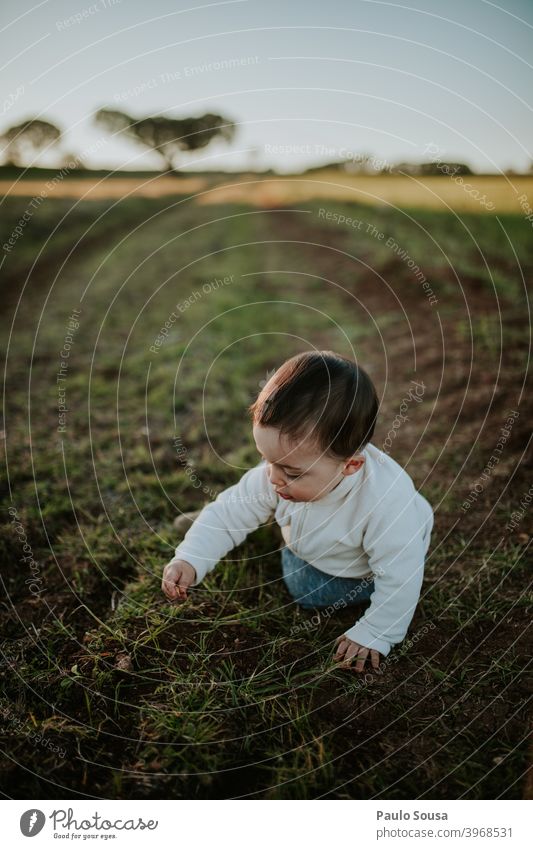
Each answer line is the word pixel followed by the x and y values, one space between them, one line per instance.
pixel 498 194
pixel 234 693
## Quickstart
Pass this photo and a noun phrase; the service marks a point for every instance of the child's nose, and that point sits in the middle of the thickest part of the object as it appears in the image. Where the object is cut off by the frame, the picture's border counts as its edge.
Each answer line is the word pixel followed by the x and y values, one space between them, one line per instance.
pixel 275 477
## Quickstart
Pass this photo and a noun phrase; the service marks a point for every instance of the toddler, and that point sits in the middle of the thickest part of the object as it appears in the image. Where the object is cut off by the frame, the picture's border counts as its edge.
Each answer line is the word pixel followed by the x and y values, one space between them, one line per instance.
pixel 353 524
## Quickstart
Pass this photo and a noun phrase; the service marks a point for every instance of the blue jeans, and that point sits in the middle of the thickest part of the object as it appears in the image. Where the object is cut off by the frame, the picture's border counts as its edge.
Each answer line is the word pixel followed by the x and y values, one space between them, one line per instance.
pixel 312 588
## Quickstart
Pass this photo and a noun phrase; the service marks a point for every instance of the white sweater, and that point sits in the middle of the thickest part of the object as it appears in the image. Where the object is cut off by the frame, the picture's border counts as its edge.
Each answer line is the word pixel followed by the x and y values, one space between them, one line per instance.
pixel 372 524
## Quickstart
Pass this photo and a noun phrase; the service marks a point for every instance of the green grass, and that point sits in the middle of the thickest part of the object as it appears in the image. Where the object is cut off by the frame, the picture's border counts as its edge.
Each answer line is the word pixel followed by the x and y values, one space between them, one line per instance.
pixel 234 692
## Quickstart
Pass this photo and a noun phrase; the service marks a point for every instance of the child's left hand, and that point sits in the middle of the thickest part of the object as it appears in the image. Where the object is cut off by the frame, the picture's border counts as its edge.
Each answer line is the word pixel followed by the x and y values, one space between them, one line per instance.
pixel 347 651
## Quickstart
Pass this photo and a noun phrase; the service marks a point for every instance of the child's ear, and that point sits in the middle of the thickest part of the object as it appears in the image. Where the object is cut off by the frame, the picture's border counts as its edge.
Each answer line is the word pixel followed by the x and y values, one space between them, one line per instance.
pixel 353 464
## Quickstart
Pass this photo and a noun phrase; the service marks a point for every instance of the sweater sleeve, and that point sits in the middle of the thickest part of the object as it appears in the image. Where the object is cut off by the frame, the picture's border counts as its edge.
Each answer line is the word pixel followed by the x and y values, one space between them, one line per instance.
pixel 396 540
pixel 227 521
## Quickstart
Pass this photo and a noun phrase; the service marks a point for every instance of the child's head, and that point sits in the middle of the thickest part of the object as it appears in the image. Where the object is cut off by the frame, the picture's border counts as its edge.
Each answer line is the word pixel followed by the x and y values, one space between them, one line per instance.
pixel 312 420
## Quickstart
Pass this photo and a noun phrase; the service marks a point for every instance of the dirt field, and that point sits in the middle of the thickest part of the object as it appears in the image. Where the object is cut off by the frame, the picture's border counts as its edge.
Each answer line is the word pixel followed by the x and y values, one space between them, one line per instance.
pixel 234 693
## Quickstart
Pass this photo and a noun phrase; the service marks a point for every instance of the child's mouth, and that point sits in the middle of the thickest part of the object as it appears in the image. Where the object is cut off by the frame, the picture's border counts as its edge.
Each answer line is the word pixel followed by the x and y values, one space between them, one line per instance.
pixel 286 497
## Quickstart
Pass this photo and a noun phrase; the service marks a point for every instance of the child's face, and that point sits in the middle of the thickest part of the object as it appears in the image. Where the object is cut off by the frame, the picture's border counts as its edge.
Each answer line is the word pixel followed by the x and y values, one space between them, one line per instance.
pixel 299 471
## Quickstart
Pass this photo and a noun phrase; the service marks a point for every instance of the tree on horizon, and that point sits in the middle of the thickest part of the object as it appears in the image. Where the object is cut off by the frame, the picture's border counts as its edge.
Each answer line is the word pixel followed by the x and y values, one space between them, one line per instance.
pixel 24 141
pixel 167 136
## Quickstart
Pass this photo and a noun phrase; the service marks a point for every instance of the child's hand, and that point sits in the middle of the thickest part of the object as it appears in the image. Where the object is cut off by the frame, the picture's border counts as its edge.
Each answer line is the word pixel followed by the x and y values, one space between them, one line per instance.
pixel 177 576
pixel 347 650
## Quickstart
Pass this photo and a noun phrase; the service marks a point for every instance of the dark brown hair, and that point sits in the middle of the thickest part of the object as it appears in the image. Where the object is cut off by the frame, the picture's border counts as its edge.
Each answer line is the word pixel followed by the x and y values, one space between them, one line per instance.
pixel 323 392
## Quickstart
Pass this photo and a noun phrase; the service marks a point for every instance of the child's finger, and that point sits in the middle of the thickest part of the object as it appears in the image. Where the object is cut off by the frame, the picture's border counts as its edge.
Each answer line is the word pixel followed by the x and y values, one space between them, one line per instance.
pixel 357 653
pixel 182 591
pixel 361 657
pixel 168 588
pixel 374 656
pixel 341 648
pixel 175 586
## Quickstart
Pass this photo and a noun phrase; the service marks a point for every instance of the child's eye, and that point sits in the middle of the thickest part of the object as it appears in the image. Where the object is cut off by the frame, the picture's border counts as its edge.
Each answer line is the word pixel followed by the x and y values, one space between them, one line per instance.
pixel 292 477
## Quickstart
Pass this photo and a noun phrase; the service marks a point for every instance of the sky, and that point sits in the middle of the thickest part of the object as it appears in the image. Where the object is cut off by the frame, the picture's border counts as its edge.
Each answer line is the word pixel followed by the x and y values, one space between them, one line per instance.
pixel 306 81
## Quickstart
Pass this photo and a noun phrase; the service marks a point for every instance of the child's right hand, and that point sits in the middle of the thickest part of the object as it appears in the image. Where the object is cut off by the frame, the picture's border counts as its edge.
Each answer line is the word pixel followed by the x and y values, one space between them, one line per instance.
pixel 177 576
